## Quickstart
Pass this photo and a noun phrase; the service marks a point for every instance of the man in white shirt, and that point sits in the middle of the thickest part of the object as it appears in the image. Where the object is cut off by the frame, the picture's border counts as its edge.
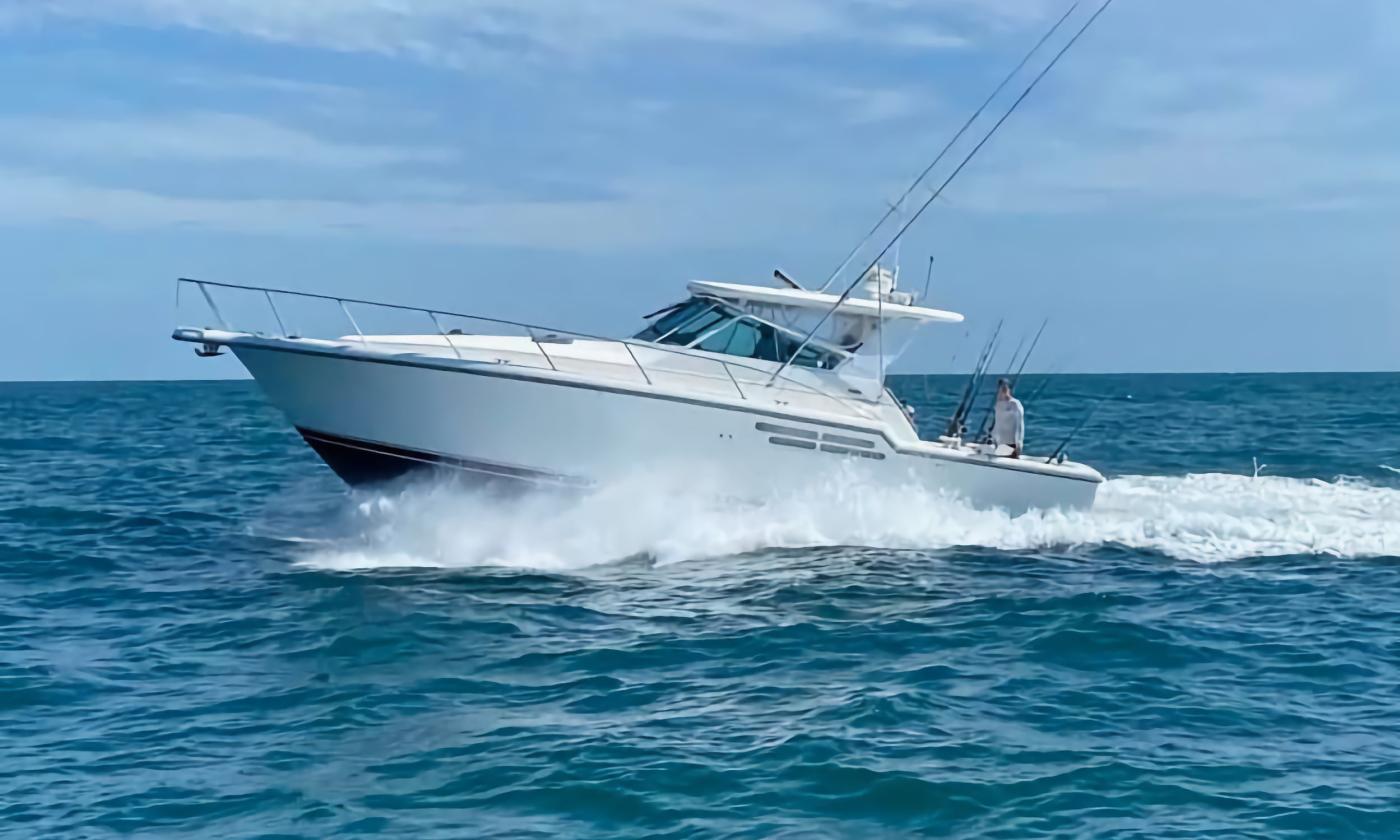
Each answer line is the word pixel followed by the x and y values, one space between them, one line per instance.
pixel 1009 425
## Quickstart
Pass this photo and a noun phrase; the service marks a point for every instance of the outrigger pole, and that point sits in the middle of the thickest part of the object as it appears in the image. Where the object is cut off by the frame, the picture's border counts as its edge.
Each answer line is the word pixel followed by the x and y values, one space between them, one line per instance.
pixel 956 137
pixel 933 196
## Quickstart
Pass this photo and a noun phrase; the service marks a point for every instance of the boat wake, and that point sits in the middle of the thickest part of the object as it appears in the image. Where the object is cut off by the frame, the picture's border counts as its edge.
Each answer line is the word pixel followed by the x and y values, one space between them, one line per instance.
pixel 1207 518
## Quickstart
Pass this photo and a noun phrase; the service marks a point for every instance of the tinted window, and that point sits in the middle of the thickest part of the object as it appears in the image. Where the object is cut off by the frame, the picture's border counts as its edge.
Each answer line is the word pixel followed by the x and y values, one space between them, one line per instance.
pixel 678 315
pixel 756 340
pixel 740 338
pixel 696 326
pixel 744 338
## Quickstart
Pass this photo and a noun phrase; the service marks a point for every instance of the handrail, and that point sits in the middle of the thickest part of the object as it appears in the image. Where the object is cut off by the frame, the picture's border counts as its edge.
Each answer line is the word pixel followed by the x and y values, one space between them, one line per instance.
pixel 530 330
pixel 445 337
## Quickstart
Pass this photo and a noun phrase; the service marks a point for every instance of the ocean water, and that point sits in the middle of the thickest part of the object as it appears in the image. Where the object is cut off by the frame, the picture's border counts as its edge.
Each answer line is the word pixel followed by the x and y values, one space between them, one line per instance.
pixel 202 633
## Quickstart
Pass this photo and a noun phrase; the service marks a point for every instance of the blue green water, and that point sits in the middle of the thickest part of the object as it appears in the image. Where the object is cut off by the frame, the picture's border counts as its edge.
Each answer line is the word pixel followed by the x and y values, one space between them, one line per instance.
pixel 202 633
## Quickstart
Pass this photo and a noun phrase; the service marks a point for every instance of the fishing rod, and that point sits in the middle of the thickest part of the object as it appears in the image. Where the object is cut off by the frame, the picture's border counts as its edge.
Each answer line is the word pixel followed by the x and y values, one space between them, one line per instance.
pixel 955 417
pixel 928 279
pixel 1020 345
pixel 1090 413
pixel 965 404
pixel 1040 389
pixel 980 369
pixel 941 187
pixel 942 153
pixel 1017 378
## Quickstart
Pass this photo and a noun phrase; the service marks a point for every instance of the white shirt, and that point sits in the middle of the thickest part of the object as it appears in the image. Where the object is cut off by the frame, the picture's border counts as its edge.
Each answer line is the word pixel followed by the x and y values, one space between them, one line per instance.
pixel 1009 428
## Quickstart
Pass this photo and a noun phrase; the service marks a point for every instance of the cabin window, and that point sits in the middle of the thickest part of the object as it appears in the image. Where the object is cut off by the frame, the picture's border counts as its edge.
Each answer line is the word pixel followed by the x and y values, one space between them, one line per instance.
pixel 739 338
pixel 692 328
pixel 677 316
pixel 701 325
pixel 752 339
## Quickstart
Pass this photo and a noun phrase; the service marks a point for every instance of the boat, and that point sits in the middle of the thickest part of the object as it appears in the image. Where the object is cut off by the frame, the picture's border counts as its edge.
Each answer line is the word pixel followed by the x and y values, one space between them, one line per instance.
pixel 754 388
pixel 760 388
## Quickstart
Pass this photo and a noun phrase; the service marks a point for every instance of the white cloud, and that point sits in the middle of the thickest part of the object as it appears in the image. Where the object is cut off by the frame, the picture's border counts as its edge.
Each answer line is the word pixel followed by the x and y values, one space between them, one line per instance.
pixel 926 37
pixel 205 137
pixel 27 198
pixel 664 211
pixel 1224 136
pixel 299 88
pixel 872 105
pixel 465 32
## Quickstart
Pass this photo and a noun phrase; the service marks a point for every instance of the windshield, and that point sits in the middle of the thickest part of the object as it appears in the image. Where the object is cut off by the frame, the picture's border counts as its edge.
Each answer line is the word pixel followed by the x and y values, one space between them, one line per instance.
pixel 714 327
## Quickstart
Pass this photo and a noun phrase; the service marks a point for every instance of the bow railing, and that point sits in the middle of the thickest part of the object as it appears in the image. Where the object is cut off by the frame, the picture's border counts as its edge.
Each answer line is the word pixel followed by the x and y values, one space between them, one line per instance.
pixel 691 364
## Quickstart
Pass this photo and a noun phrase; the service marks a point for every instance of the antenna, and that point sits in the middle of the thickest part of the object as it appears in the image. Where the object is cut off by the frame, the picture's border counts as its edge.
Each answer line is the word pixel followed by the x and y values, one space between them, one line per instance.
pixel 933 196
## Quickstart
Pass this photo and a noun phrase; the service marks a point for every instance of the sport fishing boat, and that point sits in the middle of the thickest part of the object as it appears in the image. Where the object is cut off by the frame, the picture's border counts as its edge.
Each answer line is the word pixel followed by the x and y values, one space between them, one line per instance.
pixel 755 389
pixel 721 383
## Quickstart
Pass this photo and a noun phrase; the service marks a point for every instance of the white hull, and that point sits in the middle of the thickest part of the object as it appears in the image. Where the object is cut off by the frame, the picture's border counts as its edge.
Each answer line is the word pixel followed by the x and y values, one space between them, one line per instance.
pixel 371 416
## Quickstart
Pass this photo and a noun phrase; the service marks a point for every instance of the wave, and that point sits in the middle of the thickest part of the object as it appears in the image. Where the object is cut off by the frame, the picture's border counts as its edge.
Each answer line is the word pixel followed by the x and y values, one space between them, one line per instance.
pixel 1208 518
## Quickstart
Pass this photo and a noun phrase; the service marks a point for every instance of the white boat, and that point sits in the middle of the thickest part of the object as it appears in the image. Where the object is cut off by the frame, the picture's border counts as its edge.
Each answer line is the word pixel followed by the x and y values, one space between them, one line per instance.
pixel 734 381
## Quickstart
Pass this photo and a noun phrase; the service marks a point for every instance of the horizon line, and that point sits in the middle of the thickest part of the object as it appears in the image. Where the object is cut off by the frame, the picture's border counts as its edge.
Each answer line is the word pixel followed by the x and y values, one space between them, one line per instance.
pixel 162 381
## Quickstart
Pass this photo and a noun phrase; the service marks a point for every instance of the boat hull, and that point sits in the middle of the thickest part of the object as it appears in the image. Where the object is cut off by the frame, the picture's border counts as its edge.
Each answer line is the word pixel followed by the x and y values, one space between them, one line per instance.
pixel 378 419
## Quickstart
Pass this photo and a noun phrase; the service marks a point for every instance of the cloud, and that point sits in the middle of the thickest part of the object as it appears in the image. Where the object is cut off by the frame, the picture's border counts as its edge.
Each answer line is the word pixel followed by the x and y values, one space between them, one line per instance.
pixel 30 198
pixel 296 88
pixel 201 137
pixel 926 38
pixel 662 211
pixel 872 105
pixel 1211 137
pixel 466 32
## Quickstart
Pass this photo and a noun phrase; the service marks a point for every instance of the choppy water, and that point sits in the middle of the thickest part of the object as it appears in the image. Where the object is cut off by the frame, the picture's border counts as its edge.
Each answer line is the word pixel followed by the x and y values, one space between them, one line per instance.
pixel 203 634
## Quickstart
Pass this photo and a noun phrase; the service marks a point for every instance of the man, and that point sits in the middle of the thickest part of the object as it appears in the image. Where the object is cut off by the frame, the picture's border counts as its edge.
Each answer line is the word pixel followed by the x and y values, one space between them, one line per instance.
pixel 1009 425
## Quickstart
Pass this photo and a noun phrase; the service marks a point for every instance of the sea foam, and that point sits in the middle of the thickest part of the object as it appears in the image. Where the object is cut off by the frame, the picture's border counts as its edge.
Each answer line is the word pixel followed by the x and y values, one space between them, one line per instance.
pixel 1207 518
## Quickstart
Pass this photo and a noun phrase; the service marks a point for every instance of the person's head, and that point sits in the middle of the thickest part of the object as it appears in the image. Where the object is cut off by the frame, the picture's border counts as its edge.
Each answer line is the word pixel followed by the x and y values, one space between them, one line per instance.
pixel 1003 390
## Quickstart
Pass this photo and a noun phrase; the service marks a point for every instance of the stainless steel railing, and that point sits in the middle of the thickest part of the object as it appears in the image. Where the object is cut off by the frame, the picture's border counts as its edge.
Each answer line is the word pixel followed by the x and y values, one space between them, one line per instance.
pixel 534 331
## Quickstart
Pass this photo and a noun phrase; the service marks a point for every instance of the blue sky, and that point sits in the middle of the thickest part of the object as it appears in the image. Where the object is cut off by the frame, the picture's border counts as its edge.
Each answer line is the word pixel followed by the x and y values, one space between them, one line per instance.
pixel 1200 185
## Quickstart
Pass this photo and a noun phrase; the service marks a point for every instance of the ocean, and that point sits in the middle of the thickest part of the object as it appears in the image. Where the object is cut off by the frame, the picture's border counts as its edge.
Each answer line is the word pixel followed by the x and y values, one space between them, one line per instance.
pixel 204 634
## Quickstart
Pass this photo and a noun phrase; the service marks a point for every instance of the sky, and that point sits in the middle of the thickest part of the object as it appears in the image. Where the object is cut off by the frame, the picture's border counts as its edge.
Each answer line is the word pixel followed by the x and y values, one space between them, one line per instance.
pixel 1201 185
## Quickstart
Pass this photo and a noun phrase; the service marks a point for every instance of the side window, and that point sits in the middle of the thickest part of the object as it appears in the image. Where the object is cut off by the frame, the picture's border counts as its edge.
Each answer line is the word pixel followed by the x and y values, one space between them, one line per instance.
pixel 810 356
pixel 701 323
pixel 678 315
pixel 746 338
pixel 813 358
pixel 740 338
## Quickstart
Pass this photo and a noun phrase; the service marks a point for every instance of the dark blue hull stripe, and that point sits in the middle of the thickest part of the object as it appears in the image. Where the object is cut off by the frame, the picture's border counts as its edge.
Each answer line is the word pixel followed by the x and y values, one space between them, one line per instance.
pixel 359 462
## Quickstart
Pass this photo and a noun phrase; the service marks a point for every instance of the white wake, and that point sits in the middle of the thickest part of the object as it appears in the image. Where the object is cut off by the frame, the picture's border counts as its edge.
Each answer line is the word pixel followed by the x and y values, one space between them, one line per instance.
pixel 1207 518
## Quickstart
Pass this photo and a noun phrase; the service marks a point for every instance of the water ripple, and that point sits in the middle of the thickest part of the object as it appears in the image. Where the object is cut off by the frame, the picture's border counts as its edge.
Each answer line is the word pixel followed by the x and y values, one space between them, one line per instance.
pixel 204 634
